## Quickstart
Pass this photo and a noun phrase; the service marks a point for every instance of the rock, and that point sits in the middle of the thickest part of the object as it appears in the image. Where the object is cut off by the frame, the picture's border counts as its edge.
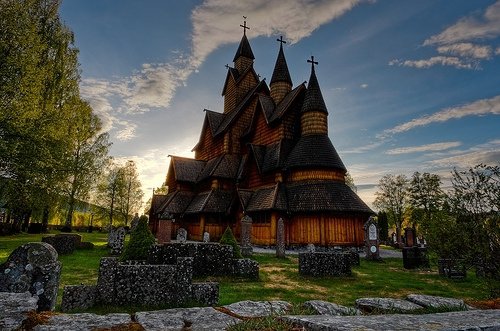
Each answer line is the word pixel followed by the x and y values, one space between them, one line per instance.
pixel 116 240
pixel 81 322
pixel 329 308
pixel 386 305
pixel 33 267
pixel 14 308
pixel 464 320
pixel 78 297
pixel 199 319
pixel 325 264
pixel 246 268
pixel 429 301
pixel 64 243
pixel 258 308
pixel 206 294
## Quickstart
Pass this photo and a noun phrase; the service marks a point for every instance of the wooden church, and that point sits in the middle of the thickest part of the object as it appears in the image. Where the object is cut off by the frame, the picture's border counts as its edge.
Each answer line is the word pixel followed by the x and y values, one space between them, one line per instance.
pixel 268 156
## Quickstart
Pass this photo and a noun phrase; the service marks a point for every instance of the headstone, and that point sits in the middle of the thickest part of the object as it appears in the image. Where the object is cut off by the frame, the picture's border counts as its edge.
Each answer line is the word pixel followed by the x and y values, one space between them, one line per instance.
pixel 311 248
pixel 394 238
pixel 372 240
pixel 33 267
pixel 410 237
pixel 206 237
pixel 280 238
pixel 116 240
pixel 134 222
pixel 182 235
pixel 164 233
pixel 246 236
pixel 415 257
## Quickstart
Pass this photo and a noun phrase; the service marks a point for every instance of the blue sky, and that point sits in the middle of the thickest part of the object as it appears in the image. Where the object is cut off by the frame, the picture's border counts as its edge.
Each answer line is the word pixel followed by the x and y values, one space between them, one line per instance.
pixel 409 85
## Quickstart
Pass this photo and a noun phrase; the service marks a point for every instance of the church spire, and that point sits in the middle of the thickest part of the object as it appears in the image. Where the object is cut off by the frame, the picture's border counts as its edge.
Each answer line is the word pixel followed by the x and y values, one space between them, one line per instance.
pixel 314 119
pixel 244 56
pixel 281 83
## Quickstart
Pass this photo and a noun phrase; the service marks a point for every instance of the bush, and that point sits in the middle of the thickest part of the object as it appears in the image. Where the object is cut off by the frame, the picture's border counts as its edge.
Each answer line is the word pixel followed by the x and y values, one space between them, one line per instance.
pixel 229 239
pixel 141 240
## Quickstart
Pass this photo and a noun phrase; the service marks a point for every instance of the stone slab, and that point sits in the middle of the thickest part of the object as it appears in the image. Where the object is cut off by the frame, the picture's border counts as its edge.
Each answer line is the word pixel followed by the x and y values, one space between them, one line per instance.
pixel 14 308
pixel 258 308
pixel 386 305
pixel 452 321
pixel 193 319
pixel 83 322
pixel 330 308
pixel 430 301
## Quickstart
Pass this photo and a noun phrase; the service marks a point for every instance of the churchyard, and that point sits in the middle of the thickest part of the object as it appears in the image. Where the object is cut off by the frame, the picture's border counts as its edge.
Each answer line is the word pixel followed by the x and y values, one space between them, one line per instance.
pixel 279 279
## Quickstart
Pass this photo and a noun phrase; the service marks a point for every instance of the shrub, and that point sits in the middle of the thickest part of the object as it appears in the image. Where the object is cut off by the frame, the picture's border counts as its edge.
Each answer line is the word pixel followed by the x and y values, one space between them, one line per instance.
pixel 141 240
pixel 229 239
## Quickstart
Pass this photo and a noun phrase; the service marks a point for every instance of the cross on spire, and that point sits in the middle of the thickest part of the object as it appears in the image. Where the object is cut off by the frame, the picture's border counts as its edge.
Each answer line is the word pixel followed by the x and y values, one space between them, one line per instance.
pixel 227 66
pixel 244 26
pixel 312 61
pixel 281 41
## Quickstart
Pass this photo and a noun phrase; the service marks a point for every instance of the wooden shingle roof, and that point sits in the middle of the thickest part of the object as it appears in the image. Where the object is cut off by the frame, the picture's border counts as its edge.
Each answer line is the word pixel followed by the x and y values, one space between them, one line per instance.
pixel 281 73
pixel 214 201
pixel 244 49
pixel 187 169
pixel 314 151
pixel 265 198
pixel 176 203
pixel 313 100
pixel 324 196
pixel 156 203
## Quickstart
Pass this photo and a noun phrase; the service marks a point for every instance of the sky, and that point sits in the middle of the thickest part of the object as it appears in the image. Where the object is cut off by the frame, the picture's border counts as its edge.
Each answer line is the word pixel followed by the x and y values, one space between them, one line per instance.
pixel 409 85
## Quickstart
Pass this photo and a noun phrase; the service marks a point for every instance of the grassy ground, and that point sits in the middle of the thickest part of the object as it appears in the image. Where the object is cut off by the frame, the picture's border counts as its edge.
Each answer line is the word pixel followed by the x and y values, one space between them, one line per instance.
pixel 279 278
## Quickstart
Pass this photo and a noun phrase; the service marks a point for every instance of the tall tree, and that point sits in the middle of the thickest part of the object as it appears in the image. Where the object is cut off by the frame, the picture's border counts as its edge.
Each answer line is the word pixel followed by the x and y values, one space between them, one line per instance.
pixel 425 196
pixel 392 197
pixel 108 191
pixel 132 194
pixel 86 158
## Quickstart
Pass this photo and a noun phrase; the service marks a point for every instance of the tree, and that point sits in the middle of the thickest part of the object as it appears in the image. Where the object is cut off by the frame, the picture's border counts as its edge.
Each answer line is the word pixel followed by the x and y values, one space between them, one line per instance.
pixel 350 182
pixel 141 240
pixel 131 194
pixel 108 191
pixel 425 196
pixel 87 156
pixel 392 197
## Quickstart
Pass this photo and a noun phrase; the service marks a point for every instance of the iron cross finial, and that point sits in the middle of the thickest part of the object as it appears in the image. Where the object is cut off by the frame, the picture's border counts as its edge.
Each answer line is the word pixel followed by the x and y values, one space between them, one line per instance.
pixel 281 40
pixel 244 26
pixel 227 66
pixel 312 61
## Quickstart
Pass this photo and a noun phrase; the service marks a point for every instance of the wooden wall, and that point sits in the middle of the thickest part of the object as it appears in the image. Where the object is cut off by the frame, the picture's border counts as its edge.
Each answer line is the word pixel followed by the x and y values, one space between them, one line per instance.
pixel 209 146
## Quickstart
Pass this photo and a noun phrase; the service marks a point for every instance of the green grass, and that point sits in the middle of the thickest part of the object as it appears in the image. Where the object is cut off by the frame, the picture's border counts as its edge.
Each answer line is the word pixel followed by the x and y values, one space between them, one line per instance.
pixel 279 278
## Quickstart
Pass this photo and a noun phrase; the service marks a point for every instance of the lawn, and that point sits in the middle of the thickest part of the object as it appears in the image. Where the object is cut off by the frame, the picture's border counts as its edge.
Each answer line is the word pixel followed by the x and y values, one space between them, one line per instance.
pixel 279 278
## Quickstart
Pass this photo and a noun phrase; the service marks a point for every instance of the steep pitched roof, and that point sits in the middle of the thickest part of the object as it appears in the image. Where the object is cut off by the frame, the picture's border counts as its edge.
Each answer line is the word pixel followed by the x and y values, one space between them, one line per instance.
pixel 281 73
pixel 314 151
pixel 186 169
pixel 222 166
pixel 313 100
pixel 265 198
pixel 214 119
pixel 214 201
pixel 267 105
pixel 156 202
pixel 324 196
pixel 287 101
pixel 244 49
pixel 176 203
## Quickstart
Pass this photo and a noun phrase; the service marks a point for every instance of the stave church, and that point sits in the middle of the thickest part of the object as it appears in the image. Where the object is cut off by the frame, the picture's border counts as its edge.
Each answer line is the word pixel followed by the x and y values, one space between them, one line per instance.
pixel 268 156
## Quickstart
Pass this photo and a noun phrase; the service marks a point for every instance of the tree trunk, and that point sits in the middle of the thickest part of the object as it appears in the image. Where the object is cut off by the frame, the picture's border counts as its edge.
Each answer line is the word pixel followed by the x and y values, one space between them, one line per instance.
pixel 398 236
pixel 69 217
pixel 45 219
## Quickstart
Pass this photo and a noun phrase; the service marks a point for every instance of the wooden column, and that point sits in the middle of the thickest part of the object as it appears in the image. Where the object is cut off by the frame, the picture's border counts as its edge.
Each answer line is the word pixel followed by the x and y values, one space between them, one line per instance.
pixel 274 217
pixel 202 225
pixel 322 230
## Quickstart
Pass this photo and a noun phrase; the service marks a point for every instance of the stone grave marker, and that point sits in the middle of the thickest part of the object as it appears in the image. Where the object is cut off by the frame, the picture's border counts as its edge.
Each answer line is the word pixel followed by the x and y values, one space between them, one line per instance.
pixel 206 237
pixel 134 222
pixel 246 236
pixel 410 237
pixel 372 240
pixel 311 248
pixel 182 235
pixel 280 238
pixel 116 240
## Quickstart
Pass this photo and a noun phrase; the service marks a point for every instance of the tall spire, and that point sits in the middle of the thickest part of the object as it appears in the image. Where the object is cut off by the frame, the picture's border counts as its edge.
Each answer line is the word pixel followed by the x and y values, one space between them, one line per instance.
pixel 313 100
pixel 244 48
pixel 281 73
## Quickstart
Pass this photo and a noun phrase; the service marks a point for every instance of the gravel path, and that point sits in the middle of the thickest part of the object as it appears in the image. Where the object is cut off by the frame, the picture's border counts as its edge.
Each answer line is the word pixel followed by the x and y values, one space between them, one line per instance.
pixel 384 253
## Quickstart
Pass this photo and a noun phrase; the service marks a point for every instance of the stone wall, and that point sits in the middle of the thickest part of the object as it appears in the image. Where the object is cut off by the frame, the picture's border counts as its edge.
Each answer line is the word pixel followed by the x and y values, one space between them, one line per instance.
pixel 415 257
pixel 209 259
pixel 66 243
pixel 325 264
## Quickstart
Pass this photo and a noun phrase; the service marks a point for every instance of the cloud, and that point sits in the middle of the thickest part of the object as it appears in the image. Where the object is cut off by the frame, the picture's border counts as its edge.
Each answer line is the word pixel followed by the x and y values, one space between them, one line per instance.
pixel 424 148
pixel 487 153
pixel 467 50
pixel 477 108
pixel 497 51
pixel 362 149
pixel 127 132
pixel 363 85
pixel 435 60
pixel 469 28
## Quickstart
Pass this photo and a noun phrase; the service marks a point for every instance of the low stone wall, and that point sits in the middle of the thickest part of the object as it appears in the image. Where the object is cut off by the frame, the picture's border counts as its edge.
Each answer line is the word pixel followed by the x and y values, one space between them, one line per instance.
pixel 209 259
pixel 66 243
pixel 145 284
pixel 325 264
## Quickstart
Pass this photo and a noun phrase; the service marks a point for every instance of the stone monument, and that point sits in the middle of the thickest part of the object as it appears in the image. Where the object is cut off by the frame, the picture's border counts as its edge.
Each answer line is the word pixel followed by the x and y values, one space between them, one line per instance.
pixel 280 238
pixel 206 237
pixel 372 240
pixel 182 235
pixel 116 240
pixel 246 236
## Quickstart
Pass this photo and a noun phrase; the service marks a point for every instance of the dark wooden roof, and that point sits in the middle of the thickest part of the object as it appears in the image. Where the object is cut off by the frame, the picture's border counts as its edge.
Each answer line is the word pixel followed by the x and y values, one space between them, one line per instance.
pixel 176 203
pixel 265 198
pixel 187 169
pixel 313 100
pixel 324 196
pixel 214 201
pixel 156 202
pixel 237 76
pixel 267 105
pixel 287 102
pixel 315 151
pixel 244 49
pixel 281 73
pixel 214 119
pixel 223 166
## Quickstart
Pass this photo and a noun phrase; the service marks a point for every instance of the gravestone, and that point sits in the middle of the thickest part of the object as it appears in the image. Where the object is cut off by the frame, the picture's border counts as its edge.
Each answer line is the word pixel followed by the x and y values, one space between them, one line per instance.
pixel 64 243
pixel 372 240
pixel 134 222
pixel 311 248
pixel 394 238
pixel 33 267
pixel 410 237
pixel 415 257
pixel 246 236
pixel 280 238
pixel 164 233
pixel 116 240
pixel 182 235
pixel 206 237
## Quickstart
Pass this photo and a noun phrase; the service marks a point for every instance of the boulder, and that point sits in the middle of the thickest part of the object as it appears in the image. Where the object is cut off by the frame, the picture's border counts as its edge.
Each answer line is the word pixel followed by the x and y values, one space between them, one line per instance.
pixel 258 308
pixel 330 308
pixel 86 321
pixel 14 308
pixel 386 305
pixel 430 301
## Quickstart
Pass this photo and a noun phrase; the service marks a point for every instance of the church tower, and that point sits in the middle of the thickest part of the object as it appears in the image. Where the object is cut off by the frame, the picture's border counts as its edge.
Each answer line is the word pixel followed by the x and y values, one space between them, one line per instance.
pixel 281 83
pixel 314 115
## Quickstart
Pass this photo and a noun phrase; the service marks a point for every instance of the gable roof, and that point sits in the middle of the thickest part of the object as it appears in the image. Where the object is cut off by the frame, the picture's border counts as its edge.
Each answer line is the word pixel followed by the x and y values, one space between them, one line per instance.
pixel 214 201
pixel 214 119
pixel 176 203
pixel 186 169
pixel 265 198
pixel 222 166
pixel 314 151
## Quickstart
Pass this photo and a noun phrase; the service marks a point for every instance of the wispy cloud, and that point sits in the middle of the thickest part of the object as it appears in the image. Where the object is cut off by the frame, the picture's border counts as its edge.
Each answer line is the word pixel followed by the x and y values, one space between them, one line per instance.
pixel 462 40
pixel 363 149
pixel 487 153
pixel 363 85
pixel 477 108
pixel 424 148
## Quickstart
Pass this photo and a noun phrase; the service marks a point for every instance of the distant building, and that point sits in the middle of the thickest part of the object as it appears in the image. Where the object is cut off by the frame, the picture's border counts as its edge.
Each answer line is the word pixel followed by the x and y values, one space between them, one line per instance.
pixel 267 155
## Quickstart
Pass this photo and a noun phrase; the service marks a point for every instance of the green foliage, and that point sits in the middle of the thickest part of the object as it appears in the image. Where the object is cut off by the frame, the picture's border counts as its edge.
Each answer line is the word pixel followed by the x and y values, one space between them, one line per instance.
pixel 229 239
pixel 141 240
pixel 383 225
